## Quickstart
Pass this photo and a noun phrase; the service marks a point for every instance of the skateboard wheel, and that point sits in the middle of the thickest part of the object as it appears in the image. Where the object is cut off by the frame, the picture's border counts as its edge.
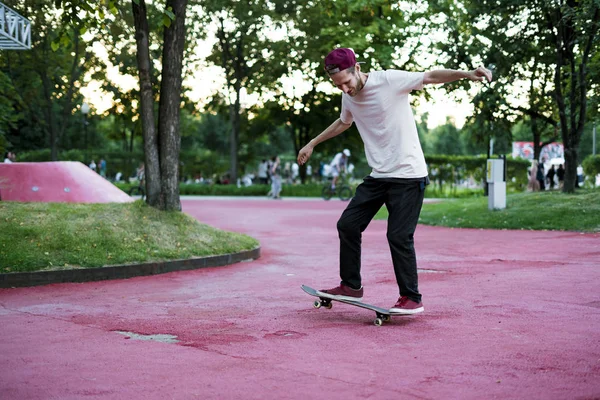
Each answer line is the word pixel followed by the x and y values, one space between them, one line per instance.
pixel 378 321
pixel 328 306
pixel 387 318
pixel 317 304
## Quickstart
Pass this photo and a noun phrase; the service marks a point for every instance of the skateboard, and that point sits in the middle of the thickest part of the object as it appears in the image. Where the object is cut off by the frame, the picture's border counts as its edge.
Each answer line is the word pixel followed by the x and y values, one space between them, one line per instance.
pixel 382 314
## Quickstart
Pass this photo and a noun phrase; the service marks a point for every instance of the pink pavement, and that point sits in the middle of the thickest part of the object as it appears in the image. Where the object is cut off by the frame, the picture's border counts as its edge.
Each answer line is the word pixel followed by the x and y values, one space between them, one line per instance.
pixel 61 181
pixel 508 314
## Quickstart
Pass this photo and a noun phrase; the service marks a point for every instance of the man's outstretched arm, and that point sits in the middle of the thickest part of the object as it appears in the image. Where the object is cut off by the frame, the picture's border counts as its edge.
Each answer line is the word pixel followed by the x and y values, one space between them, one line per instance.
pixel 449 75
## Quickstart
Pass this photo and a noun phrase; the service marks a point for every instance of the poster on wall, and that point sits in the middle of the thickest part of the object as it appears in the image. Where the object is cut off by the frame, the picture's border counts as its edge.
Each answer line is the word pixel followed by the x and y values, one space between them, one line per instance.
pixel 549 152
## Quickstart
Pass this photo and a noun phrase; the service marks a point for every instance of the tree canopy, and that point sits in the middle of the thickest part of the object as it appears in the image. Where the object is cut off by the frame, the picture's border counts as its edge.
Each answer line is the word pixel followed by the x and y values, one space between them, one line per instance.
pixel 275 95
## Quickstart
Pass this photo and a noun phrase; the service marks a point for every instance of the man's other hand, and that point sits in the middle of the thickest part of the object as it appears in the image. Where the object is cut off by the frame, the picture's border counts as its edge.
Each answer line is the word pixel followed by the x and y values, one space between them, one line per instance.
pixel 304 154
pixel 481 74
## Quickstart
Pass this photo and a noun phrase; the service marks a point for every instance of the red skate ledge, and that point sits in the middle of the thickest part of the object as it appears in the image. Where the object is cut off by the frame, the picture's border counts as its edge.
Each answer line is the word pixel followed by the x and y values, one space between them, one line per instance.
pixel 57 182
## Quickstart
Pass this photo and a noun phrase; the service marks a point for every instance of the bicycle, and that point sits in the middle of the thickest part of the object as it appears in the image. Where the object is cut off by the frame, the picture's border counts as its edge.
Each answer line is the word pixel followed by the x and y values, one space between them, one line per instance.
pixel 139 190
pixel 343 191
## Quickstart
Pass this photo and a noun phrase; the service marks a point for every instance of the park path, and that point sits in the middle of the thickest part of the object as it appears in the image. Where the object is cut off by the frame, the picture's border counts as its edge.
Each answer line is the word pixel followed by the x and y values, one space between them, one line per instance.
pixel 509 314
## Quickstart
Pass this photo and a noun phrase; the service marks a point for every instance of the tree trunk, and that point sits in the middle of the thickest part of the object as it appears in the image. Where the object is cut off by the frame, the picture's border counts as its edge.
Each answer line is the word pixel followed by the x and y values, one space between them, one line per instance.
pixel 131 138
pixel 149 132
pixel 234 109
pixel 234 118
pixel 170 105
pixel 53 137
pixel 570 170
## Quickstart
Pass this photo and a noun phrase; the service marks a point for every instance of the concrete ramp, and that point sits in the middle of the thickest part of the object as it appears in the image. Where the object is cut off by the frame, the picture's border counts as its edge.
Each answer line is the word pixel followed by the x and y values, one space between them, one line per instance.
pixel 57 182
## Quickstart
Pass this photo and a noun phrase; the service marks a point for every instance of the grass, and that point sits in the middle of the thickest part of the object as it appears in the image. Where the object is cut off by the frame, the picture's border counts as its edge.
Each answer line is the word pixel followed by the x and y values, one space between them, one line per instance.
pixel 535 211
pixel 38 236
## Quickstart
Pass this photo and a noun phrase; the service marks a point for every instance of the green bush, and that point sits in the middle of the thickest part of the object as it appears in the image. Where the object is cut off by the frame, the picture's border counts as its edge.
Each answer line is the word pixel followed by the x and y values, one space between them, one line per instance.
pixel 34 156
pixel 446 172
pixel 450 170
pixel 192 163
pixel 306 190
pixel 591 167
pixel 223 190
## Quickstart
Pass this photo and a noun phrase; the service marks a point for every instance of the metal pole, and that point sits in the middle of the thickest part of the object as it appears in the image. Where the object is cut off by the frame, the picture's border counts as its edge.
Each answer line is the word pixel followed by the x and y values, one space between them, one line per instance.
pixel 85 124
pixel 594 140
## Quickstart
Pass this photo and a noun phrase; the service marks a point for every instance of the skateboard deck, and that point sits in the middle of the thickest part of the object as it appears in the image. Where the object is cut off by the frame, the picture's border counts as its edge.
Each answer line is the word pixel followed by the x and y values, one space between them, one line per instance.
pixel 382 314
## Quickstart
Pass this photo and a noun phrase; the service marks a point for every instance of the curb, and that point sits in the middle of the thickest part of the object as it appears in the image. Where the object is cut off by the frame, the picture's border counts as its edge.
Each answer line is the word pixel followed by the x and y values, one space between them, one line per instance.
pixel 124 271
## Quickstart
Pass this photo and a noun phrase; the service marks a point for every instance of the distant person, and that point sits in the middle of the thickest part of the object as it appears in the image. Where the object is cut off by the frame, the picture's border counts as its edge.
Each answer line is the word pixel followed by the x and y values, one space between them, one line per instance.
pixel 295 172
pixel 8 157
pixel 103 167
pixel 541 177
pixel 140 172
pixel 263 175
pixel 533 185
pixel 580 176
pixel 560 173
pixel 269 168
pixel 287 172
pixel 338 165
pixel 276 177
pixel 551 174
pixel 93 165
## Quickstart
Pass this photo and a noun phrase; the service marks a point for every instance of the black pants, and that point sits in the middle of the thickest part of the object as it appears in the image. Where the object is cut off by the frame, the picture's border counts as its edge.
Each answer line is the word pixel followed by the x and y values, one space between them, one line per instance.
pixel 403 199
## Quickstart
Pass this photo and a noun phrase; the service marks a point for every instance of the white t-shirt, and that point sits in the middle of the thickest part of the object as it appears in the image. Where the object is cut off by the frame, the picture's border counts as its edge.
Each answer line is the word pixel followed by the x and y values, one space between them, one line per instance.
pixel 262 169
pixel 386 124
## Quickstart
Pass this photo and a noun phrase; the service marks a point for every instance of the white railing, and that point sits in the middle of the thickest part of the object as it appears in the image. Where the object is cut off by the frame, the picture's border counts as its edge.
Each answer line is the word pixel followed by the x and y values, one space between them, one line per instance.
pixel 15 30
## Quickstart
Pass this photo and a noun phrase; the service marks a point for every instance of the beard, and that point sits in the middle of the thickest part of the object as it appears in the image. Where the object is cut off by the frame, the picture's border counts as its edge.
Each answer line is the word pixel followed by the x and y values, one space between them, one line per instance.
pixel 358 85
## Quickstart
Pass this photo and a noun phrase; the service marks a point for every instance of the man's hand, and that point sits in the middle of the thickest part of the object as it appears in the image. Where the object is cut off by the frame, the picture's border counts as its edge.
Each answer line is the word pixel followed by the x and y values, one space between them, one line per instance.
pixel 480 74
pixel 304 154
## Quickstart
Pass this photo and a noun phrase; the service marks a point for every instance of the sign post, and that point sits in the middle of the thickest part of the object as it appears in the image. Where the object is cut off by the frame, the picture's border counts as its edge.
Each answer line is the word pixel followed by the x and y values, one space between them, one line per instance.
pixel 496 179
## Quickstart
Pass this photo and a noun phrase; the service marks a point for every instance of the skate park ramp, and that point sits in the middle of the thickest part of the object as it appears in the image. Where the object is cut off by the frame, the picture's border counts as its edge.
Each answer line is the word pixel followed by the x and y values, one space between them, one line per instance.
pixel 57 182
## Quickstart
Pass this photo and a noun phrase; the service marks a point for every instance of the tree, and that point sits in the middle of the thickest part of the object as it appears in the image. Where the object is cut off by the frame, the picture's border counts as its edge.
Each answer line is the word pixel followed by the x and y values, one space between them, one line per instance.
pixel 162 145
pixel 10 102
pixel 381 34
pixel 447 139
pixel 548 44
pixel 46 78
pixel 573 28
pixel 162 140
pixel 243 52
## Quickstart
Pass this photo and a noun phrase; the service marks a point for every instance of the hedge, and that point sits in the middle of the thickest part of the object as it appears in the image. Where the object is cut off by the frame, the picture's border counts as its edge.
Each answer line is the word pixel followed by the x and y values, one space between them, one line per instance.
pixel 591 167
pixel 445 171
pixel 291 190
pixel 192 163
pixel 451 170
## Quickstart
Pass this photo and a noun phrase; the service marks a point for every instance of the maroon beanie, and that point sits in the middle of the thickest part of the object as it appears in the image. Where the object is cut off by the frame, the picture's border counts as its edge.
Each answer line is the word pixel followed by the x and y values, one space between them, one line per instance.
pixel 339 60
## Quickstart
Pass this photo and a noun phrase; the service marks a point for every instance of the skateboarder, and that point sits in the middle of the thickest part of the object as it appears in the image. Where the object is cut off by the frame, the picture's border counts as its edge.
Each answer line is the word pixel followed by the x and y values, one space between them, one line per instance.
pixel 379 105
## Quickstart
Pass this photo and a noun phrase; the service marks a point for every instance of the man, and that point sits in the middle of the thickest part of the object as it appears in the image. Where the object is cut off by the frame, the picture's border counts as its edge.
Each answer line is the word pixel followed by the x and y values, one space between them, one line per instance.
pixel 102 167
pixel 560 174
pixel 262 172
pixel 338 164
pixel 379 105
pixel 550 176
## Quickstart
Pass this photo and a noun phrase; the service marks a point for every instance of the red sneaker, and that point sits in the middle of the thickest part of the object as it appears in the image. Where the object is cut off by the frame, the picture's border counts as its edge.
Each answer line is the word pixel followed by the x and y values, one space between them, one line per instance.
pixel 342 292
pixel 407 306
